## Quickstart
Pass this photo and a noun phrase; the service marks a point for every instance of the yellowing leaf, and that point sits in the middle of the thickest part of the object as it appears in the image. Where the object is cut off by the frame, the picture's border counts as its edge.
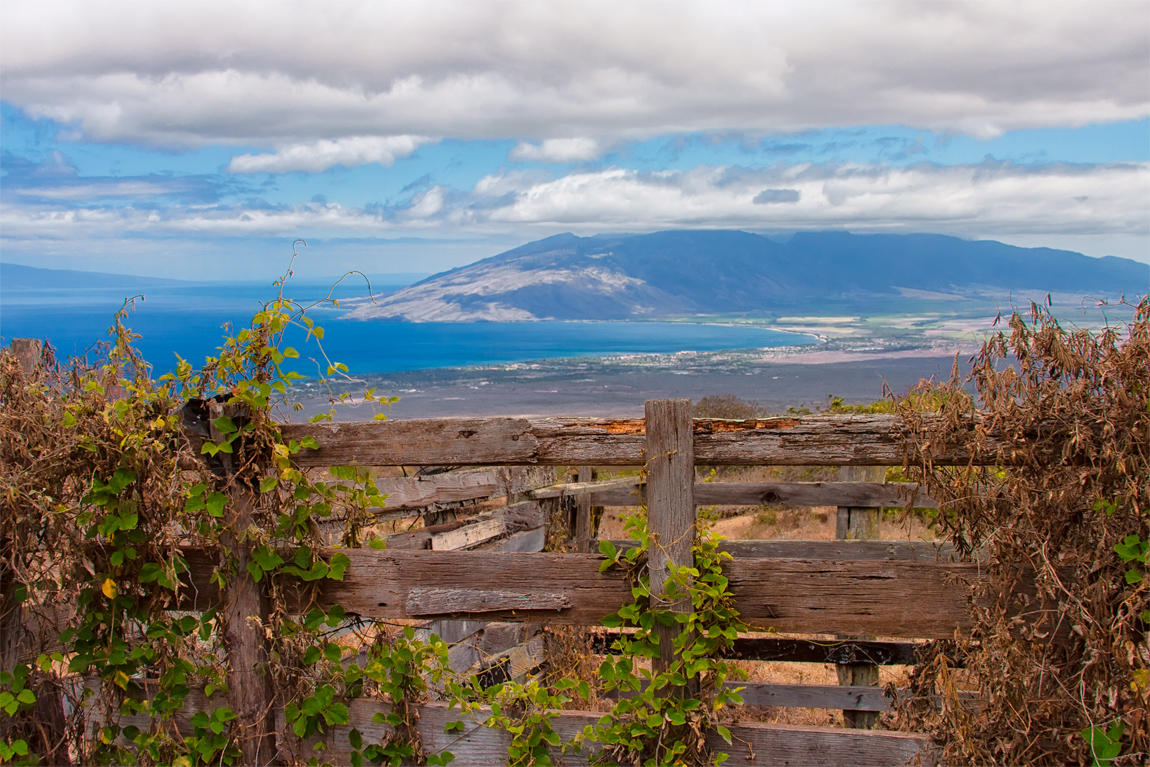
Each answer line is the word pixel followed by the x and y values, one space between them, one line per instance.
pixel 109 588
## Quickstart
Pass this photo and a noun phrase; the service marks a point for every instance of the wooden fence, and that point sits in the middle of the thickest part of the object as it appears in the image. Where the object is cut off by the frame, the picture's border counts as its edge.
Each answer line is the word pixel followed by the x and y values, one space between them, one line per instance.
pixel 477 575
pixel 483 582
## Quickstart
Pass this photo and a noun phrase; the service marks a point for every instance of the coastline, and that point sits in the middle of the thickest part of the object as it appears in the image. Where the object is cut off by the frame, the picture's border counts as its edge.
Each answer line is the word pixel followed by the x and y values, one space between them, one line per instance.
pixel 777 378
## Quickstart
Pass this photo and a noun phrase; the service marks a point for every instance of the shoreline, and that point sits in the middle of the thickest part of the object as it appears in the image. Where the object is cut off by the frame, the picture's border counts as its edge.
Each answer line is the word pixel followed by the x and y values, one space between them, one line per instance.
pixel 777 378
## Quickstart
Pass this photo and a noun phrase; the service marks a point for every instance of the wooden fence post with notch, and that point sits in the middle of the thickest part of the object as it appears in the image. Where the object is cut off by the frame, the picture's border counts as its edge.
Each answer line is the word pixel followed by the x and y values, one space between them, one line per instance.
pixel 245 614
pixel 584 524
pixel 859 524
pixel 670 459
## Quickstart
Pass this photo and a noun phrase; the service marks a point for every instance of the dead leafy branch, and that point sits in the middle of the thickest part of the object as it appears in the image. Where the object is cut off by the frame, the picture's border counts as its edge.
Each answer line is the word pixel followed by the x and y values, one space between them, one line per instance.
pixel 1062 672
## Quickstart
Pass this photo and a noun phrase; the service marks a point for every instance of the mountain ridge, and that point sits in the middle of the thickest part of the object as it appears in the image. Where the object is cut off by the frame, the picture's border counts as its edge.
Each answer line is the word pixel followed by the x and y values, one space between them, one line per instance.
pixel 695 272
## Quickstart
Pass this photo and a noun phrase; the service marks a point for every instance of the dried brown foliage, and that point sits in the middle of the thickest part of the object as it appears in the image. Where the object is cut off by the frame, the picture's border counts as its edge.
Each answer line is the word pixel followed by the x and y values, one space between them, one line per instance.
pixel 1069 653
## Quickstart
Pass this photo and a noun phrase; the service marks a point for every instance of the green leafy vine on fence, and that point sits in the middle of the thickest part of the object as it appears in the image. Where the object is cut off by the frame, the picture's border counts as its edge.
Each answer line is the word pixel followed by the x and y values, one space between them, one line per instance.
pixel 664 716
pixel 104 494
pixel 109 489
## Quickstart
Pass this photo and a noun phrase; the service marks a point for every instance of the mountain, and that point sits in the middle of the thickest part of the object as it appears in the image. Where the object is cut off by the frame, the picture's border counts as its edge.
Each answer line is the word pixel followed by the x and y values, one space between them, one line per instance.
pixel 681 273
pixel 17 277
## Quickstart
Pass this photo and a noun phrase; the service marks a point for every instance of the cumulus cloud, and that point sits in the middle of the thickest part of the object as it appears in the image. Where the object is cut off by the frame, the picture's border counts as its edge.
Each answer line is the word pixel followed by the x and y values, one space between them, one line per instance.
pixel 986 199
pixel 267 74
pixel 1000 200
pixel 318 156
pixel 557 150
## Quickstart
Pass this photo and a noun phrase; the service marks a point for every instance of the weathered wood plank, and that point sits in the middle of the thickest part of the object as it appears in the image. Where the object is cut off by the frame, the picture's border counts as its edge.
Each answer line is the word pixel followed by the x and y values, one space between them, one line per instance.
pixel 469 535
pixel 628 492
pixel 419 492
pixel 756 744
pixel 419 442
pixel 575 489
pixel 908 551
pixel 889 598
pixel 671 507
pixel 424 601
pixel 472 531
pixel 854 523
pixel 245 614
pixel 526 542
pixel 791 745
pixel 800 696
pixel 813 696
pixel 857 440
pixel 583 521
pixel 924 600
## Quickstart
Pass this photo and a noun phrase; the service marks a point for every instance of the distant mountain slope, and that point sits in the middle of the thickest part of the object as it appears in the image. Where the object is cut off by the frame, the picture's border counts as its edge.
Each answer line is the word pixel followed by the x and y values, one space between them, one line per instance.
pixel 17 277
pixel 719 272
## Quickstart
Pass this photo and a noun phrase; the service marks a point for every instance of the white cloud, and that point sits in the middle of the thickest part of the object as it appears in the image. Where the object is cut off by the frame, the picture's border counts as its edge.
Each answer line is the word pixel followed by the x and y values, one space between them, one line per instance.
pixel 558 150
pixel 1077 203
pixel 318 156
pixel 987 199
pixel 282 74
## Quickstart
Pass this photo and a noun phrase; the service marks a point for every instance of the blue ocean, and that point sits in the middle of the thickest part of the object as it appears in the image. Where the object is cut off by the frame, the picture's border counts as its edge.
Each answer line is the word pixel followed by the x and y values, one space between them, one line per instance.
pixel 187 320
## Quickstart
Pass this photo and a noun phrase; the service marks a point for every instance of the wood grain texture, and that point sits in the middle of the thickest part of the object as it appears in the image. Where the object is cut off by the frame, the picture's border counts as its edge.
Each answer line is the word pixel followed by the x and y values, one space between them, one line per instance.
pixel 888 598
pixel 245 614
pixel 418 492
pixel 468 535
pixel 28 353
pixel 857 440
pixel 418 442
pixel 478 745
pixel 629 492
pixel 525 542
pixel 754 744
pixel 670 507
pixel 469 532
pixel 424 601
pixel 920 600
pixel 855 523
pixel 575 489
pixel 377 583
pixel 583 521
pixel 795 745
pixel 906 551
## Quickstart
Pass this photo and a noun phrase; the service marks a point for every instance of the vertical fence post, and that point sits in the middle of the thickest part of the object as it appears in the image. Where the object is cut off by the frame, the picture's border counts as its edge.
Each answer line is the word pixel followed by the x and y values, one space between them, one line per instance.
pixel 17 642
pixel 670 456
pixel 859 524
pixel 245 614
pixel 584 525
pixel 28 352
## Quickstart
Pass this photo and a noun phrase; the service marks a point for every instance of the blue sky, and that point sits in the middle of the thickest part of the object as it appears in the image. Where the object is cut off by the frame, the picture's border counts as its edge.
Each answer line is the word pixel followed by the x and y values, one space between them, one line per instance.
pixel 200 141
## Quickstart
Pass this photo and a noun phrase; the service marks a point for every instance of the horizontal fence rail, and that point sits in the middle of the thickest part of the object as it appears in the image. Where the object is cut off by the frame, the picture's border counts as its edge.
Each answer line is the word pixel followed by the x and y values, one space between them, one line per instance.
pixel 478 745
pixel 856 494
pixel 839 440
pixel 926 599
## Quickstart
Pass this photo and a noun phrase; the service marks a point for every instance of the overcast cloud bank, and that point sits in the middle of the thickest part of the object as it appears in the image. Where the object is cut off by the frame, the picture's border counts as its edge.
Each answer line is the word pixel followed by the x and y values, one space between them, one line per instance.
pixel 515 120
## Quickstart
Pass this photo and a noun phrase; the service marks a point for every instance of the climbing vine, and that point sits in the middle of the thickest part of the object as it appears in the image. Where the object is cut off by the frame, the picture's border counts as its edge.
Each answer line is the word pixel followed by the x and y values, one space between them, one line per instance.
pixel 111 481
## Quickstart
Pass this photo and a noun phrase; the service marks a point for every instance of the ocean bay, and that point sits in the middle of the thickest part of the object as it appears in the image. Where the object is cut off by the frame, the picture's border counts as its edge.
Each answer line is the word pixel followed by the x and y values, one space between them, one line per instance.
pixel 188 320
